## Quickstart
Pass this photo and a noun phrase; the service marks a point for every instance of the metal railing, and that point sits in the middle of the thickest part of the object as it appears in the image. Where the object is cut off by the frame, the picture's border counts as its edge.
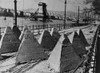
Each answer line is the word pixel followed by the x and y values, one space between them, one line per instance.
pixel 39 28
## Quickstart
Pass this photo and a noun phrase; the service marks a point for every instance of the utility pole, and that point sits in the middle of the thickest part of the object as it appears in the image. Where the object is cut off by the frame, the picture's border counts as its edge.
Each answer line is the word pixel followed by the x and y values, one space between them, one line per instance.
pixel 15 27
pixel 78 15
pixel 15 14
pixel 65 3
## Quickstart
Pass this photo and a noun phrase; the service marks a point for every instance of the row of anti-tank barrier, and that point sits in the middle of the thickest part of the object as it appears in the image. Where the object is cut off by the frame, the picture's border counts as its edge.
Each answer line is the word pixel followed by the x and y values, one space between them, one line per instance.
pixel 38 28
pixel 63 41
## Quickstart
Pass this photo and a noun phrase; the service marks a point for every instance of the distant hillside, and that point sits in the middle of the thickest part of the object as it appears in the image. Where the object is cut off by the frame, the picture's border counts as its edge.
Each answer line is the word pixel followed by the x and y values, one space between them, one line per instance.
pixel 55 13
pixel 7 12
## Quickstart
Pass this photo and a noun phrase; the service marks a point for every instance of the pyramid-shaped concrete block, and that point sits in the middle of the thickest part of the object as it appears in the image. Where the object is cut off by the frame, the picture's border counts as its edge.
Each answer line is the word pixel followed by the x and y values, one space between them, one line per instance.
pixel 9 42
pixel 81 35
pixel 63 58
pixel 46 40
pixel 54 59
pixel 71 36
pixel 29 49
pixel 55 34
pixel 78 45
pixel 16 31
pixel 23 32
pixel 66 42
pixel 69 59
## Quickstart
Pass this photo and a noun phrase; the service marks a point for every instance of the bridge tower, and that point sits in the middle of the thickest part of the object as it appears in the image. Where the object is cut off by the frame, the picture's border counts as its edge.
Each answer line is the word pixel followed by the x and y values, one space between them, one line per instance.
pixel 41 12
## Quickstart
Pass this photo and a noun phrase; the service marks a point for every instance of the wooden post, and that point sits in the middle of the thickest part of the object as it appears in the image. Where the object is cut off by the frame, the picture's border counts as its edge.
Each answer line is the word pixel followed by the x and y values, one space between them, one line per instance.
pixel 65 14
pixel 38 29
pixel 15 14
pixel 43 26
pixel 50 27
pixel 59 27
pixel 33 29
pixel 0 33
pixel 78 14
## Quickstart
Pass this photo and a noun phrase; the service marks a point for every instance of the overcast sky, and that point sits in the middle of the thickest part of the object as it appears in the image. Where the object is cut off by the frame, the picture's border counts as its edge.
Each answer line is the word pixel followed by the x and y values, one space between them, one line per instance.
pixel 57 5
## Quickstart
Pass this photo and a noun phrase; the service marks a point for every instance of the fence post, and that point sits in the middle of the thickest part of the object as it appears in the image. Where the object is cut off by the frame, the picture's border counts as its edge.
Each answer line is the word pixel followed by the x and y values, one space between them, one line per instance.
pixel 59 27
pixel 47 26
pixel 43 26
pixel 33 29
pixel 0 33
pixel 50 27
pixel 38 29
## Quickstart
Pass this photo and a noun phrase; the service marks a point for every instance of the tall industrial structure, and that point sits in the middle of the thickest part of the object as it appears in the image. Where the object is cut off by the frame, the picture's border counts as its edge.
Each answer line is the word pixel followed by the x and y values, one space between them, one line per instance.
pixel 41 12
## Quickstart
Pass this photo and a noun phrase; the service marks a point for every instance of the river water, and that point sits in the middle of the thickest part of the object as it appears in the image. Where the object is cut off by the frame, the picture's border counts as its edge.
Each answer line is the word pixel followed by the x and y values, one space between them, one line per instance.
pixel 24 21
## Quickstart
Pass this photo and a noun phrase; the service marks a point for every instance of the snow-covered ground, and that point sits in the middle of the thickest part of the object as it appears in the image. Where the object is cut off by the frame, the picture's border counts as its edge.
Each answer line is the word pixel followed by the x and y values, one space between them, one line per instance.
pixel 7 64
